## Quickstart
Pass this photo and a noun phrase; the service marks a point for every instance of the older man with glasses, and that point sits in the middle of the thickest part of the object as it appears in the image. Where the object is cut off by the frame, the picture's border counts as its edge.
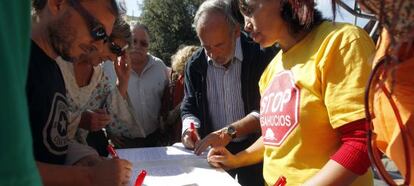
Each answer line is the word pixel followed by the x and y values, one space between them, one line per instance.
pixel 71 30
pixel 146 85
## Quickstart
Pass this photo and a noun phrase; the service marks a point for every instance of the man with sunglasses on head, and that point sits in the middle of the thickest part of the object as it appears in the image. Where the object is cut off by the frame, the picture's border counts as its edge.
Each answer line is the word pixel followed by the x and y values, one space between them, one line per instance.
pixel 71 30
pixel 146 85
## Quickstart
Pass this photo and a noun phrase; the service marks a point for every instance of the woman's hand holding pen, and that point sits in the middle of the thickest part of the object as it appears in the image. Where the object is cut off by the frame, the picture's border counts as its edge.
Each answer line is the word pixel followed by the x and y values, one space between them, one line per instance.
pixel 94 120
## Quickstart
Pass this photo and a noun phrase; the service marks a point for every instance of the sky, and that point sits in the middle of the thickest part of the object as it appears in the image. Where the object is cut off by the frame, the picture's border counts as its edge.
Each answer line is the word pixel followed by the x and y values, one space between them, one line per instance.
pixel 134 9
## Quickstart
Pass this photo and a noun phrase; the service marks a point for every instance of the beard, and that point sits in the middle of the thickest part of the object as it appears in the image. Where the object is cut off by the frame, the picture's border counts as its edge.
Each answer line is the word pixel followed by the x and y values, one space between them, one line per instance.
pixel 62 37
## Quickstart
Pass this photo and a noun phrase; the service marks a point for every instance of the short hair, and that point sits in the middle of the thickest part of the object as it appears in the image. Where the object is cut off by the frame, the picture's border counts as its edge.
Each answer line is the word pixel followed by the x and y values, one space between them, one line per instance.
pixel 221 6
pixel 38 5
pixel 121 30
pixel 181 57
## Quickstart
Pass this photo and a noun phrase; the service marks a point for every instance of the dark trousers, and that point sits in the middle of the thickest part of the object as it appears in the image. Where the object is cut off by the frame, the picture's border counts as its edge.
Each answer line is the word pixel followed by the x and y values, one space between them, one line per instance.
pixel 250 175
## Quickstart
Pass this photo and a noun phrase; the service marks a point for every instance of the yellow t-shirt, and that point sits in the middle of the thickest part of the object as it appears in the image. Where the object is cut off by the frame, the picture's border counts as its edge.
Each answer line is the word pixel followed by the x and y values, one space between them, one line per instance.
pixel 307 92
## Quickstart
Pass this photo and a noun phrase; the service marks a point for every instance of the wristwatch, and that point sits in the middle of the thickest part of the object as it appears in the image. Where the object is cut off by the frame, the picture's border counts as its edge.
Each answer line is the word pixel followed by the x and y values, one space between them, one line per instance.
pixel 231 131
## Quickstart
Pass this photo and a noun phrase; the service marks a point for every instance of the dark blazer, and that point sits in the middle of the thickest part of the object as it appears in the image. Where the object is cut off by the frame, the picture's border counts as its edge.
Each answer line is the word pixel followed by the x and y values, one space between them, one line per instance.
pixel 195 100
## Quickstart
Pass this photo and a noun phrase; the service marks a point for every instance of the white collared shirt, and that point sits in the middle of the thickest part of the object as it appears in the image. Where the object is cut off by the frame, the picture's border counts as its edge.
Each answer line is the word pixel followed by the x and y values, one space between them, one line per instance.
pixel 145 92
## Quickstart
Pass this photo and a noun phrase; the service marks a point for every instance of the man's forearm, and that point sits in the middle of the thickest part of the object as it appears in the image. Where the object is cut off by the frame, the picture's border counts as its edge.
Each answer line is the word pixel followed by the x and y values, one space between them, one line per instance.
pixel 247 125
pixel 64 175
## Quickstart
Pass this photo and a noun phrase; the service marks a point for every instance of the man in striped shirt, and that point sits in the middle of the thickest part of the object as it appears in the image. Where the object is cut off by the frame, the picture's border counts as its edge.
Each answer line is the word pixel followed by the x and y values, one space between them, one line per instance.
pixel 221 85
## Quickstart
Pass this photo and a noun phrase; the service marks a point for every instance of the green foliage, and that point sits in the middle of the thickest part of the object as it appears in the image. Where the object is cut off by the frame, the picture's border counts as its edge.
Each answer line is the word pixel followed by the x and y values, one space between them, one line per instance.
pixel 170 25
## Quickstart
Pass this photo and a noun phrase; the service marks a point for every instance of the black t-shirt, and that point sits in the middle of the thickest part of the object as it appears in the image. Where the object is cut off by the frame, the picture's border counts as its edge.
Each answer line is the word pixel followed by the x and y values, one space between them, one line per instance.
pixel 48 108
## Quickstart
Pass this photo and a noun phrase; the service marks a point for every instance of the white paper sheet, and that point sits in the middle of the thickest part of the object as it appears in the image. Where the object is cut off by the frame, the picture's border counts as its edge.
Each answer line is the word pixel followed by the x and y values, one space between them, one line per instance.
pixel 174 166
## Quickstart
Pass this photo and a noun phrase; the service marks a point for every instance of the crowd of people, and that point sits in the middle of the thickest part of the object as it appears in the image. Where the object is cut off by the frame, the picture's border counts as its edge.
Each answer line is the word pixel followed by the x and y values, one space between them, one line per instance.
pixel 283 93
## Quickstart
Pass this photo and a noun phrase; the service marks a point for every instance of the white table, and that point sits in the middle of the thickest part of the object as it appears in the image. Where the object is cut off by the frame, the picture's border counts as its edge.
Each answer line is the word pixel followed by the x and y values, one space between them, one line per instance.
pixel 174 166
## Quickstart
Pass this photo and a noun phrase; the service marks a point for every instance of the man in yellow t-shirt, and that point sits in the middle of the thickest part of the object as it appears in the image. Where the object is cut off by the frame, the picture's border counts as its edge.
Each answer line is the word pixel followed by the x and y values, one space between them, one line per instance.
pixel 307 93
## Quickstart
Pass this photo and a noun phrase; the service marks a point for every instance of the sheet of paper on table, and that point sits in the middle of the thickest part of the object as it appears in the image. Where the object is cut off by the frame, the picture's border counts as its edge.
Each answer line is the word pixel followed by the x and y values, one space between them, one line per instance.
pixel 174 166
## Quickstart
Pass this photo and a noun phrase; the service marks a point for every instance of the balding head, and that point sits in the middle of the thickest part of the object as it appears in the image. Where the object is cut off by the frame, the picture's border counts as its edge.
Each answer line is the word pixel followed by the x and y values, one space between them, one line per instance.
pixel 217 30
pixel 211 11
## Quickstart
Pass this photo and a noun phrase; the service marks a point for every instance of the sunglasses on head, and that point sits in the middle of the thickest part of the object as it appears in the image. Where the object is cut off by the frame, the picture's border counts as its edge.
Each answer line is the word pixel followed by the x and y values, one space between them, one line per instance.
pixel 116 49
pixel 96 29
pixel 244 8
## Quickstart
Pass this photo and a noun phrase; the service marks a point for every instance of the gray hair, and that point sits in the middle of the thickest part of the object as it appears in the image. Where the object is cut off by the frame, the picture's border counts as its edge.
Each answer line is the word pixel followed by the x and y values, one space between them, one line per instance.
pixel 221 6
pixel 143 27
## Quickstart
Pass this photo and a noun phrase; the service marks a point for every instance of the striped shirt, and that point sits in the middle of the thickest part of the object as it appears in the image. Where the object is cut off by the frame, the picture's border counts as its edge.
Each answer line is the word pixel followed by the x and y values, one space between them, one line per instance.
pixel 223 93
pixel 224 96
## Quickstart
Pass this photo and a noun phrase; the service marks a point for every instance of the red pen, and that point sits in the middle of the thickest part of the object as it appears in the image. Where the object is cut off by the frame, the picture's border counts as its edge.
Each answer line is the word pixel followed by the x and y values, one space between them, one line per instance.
pixel 140 178
pixel 281 181
pixel 193 134
pixel 112 151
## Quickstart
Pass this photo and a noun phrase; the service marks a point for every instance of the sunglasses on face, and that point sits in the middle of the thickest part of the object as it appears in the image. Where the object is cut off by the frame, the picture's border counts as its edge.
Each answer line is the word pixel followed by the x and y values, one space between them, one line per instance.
pixel 378 84
pixel 116 49
pixel 96 29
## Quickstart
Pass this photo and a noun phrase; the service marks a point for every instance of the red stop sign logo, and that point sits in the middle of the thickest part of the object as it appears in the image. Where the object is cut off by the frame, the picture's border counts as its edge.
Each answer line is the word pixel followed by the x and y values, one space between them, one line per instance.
pixel 279 109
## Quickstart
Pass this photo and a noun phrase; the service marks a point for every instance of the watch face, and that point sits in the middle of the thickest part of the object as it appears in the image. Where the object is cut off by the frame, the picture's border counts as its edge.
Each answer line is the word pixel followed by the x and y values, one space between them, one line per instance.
pixel 231 130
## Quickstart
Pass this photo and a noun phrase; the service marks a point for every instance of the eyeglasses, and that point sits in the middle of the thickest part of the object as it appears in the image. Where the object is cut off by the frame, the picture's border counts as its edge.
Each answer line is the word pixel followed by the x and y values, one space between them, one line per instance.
pixel 378 85
pixel 97 30
pixel 142 43
pixel 116 49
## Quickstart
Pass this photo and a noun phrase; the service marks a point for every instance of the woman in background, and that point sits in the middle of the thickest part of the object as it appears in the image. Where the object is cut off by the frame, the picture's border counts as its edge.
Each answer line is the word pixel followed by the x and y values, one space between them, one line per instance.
pixel 171 119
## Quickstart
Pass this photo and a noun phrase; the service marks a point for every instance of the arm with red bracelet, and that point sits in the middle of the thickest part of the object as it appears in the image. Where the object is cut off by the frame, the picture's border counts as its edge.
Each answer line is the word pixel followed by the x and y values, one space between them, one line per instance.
pixel 349 161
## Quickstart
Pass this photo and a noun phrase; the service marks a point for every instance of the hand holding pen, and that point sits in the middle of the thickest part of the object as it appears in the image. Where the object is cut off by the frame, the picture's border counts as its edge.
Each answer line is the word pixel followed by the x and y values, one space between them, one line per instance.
pixel 190 137
pixel 114 154
pixel 94 120
pixel 193 134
